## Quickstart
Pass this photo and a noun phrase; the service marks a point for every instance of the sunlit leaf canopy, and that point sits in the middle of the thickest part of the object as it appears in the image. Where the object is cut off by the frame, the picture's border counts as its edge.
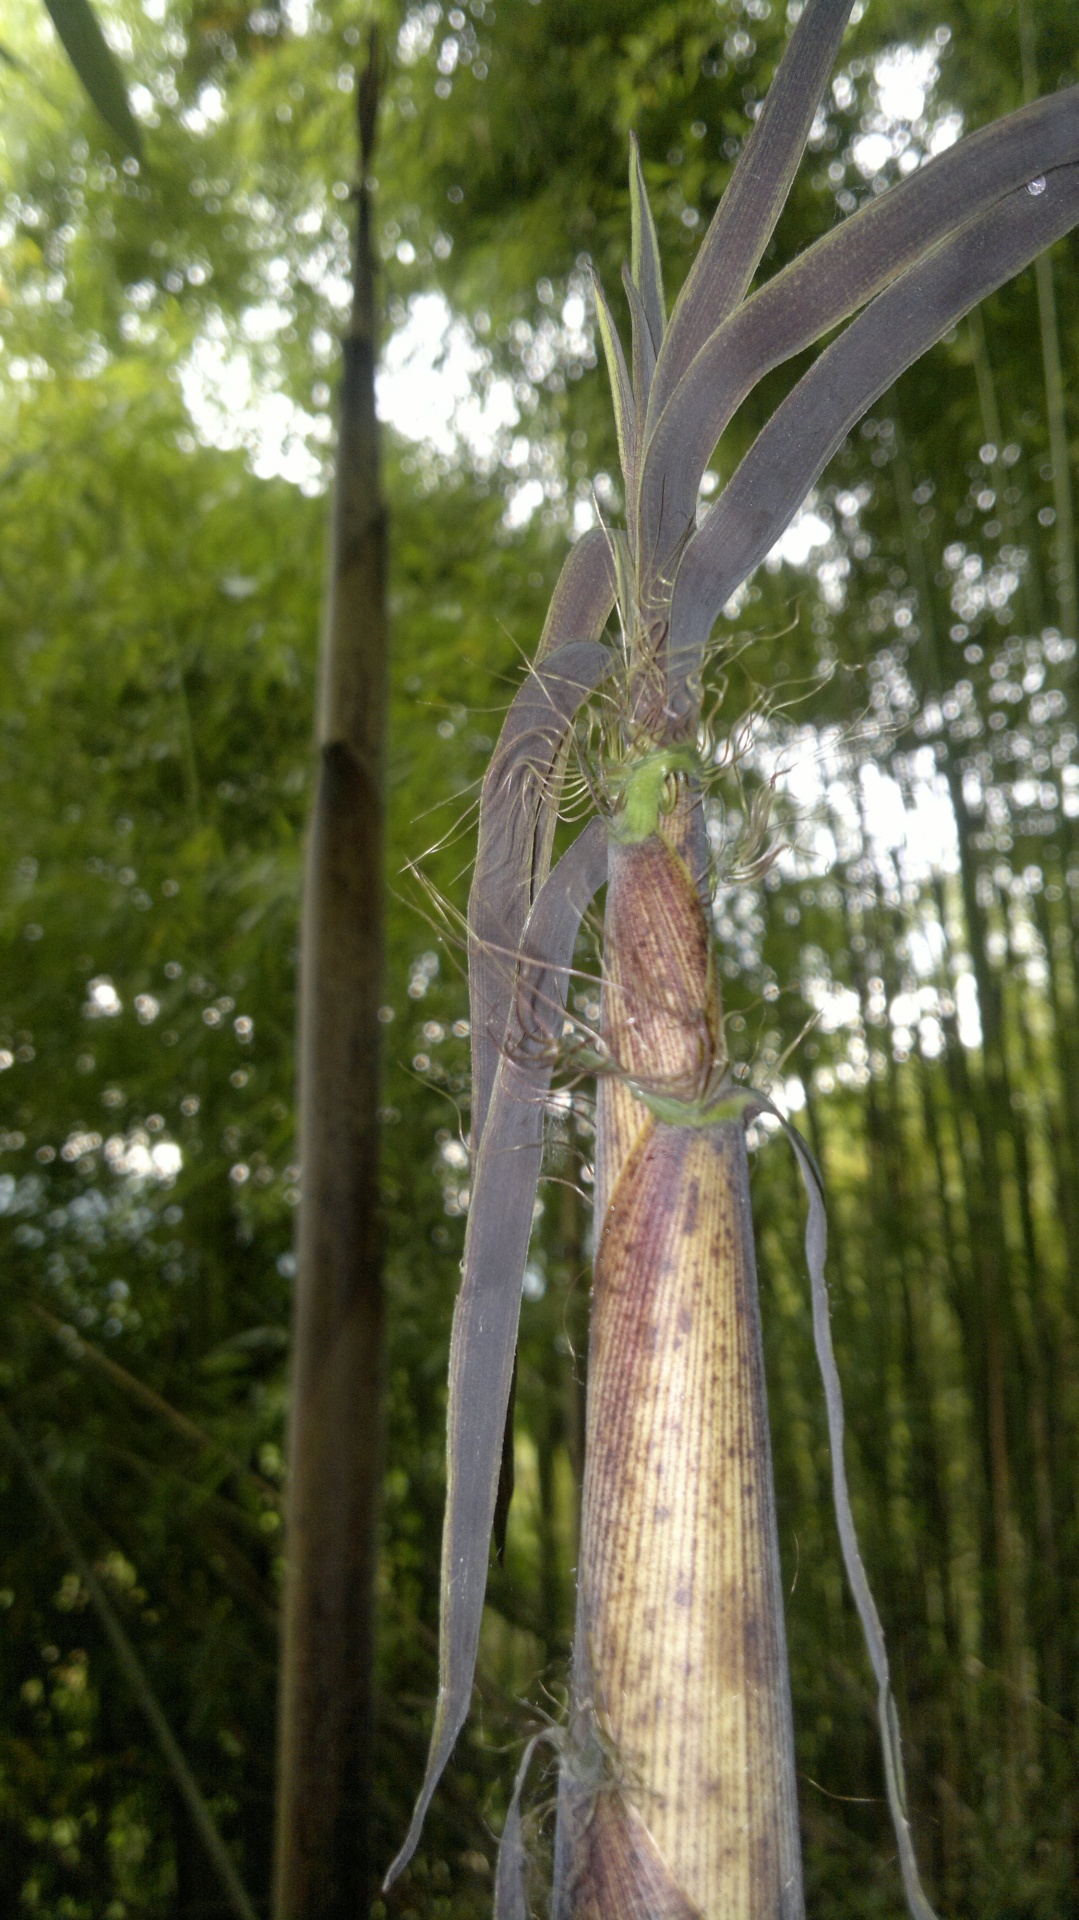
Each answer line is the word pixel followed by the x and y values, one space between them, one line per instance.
pixel 166 391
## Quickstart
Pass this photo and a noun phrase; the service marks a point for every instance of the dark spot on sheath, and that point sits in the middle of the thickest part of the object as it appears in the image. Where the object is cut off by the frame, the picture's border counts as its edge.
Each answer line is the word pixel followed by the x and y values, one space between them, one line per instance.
pixel 693 1198
pixel 757 1664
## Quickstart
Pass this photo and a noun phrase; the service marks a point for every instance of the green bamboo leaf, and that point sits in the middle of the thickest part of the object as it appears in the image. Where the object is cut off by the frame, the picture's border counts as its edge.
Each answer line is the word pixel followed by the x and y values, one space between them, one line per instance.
pixel 894 330
pixel 89 53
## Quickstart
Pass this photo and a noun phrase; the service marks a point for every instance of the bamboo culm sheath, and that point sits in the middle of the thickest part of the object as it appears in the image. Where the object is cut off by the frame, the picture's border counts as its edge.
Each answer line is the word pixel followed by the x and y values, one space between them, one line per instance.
pixel 681 1754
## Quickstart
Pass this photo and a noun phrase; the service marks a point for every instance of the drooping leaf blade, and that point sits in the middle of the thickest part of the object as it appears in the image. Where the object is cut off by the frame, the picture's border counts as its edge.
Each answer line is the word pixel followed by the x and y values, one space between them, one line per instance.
pixel 886 338
pixel 743 222
pixel 87 49
pixel 488 1306
pixel 513 857
pixel 816 1249
pixel 829 282
pixel 646 267
pixel 518 806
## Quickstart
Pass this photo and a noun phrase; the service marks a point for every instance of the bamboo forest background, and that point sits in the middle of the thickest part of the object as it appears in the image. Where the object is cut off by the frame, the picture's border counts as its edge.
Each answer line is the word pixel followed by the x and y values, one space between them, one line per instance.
pixel 906 668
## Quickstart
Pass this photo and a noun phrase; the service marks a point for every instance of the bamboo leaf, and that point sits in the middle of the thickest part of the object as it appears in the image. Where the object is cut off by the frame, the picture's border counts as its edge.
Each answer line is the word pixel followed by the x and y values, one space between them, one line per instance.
pixel 488 1305
pixel 644 353
pixel 621 389
pixel 579 608
pixel 89 53
pixel 742 224
pixel 646 267
pixel 513 855
pixel 789 454
pixel 584 595
pixel 517 811
pixel 828 283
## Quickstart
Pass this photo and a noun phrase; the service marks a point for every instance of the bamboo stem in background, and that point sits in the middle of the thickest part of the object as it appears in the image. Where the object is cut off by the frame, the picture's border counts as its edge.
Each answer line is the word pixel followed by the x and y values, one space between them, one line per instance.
pixel 994 1314
pixel 1020 516
pixel 1067 583
pixel 323 1859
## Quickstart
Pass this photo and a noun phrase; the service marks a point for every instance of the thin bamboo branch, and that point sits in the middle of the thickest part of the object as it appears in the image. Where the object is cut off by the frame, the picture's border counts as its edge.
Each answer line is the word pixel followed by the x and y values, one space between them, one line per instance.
pixel 78 1348
pixel 1067 581
pixel 135 1674
pixel 1063 505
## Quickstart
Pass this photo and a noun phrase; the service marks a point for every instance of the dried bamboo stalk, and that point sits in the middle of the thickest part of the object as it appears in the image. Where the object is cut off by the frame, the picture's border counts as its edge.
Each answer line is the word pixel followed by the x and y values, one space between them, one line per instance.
pixel 323 1864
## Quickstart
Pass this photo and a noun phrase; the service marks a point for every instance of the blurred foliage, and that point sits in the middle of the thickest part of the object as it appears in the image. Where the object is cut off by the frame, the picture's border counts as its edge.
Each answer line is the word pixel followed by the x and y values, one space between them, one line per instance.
pixel 159 619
